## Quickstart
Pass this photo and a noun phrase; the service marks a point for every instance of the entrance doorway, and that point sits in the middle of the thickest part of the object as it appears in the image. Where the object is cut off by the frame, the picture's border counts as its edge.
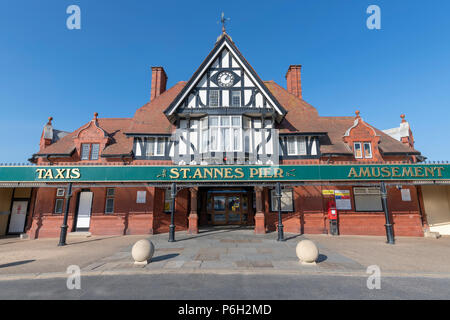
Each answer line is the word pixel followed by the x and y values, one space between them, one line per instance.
pixel 227 207
pixel 84 211
pixel 18 216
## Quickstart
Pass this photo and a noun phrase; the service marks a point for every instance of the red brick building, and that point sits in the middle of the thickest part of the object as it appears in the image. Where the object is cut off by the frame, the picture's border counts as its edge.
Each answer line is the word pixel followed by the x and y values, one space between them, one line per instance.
pixel 224 114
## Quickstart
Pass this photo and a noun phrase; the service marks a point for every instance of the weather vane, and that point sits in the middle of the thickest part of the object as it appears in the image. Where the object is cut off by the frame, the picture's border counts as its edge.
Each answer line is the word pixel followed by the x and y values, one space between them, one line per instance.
pixel 223 20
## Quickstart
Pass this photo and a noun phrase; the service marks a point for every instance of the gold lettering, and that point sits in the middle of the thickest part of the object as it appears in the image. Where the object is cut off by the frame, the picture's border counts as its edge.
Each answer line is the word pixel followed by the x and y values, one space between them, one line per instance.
pixel 75 174
pixel 40 172
pixel 268 173
pixel 175 173
pixel 48 174
pixel 260 173
pixel 240 172
pixel 364 172
pixel 185 170
pixel 59 173
pixel 385 172
pixel 278 173
pixel 217 172
pixel 352 173
pixel 439 171
pixel 429 170
pixel 376 175
pixel 253 172
pixel 395 172
pixel 209 172
pixel 418 171
pixel 197 174
pixel 228 173
pixel 407 171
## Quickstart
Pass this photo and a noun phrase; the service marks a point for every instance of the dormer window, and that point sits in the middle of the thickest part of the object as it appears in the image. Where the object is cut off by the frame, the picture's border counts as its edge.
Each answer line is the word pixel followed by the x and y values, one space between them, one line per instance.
pixel 90 151
pixel 363 150
pixel 296 145
pixel 155 146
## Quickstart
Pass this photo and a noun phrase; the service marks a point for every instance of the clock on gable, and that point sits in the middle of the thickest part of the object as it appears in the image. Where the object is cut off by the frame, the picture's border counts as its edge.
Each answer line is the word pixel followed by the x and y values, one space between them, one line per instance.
pixel 225 79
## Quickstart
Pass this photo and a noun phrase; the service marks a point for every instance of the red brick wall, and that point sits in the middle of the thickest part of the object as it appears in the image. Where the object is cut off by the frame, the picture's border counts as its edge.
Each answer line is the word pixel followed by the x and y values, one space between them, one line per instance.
pixel 162 219
pixel 310 214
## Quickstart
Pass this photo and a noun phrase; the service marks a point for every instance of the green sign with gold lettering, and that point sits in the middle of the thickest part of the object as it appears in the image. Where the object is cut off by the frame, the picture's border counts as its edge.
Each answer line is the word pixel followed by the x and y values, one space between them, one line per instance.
pixel 224 173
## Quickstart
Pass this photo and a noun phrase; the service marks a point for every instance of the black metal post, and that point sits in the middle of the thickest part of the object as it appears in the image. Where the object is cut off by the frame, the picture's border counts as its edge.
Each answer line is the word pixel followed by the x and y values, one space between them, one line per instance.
pixel 63 234
pixel 173 193
pixel 280 224
pixel 388 225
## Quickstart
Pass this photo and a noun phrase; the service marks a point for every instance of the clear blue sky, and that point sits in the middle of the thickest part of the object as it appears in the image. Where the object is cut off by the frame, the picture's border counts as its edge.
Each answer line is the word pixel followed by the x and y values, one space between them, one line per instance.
pixel 48 70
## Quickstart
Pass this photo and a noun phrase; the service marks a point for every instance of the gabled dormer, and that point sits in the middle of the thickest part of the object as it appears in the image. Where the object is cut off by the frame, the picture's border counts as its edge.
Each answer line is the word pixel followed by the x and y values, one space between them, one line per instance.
pixel 225 83
pixel 91 140
pixel 363 140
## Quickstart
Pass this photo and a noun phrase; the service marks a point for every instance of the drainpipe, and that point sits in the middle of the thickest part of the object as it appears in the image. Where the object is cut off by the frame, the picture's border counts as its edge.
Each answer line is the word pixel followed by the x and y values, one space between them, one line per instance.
pixel 388 225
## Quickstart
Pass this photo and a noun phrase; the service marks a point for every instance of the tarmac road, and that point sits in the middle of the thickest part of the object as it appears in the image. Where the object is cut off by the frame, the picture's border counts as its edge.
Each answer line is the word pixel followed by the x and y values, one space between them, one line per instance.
pixel 226 287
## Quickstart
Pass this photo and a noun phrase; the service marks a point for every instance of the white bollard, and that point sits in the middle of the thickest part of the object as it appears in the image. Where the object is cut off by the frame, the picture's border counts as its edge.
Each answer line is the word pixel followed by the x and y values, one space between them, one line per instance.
pixel 142 251
pixel 307 252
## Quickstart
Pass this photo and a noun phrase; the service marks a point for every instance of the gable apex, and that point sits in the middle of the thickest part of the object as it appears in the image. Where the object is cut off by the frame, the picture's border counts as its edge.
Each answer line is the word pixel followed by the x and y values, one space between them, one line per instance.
pixel 244 77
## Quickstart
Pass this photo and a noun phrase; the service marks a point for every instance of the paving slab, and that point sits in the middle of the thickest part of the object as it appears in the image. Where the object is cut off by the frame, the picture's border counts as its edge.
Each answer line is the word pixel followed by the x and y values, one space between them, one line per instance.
pixel 234 250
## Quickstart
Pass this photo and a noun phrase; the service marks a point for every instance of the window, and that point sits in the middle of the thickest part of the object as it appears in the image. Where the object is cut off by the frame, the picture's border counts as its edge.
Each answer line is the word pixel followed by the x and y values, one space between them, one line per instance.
pixel 287 200
pixel 59 205
pixel 60 192
pixel 59 202
pixel 225 133
pixel 109 205
pixel 235 98
pixel 90 151
pixel 295 145
pixel 367 150
pixel 167 201
pixel 367 199
pixel 154 146
pixel 85 151
pixel 140 197
pixel 94 151
pixel 362 153
pixel 214 98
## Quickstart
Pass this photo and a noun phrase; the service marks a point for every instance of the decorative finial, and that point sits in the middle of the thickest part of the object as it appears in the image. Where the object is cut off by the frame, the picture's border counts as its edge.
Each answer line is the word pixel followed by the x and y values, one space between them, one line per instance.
pixel 223 20
pixel 95 116
pixel 403 118
pixel 49 123
pixel 357 113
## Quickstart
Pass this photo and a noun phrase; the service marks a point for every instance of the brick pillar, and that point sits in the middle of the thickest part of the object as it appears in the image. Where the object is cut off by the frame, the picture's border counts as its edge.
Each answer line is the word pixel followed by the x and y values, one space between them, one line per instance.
pixel 260 227
pixel 193 216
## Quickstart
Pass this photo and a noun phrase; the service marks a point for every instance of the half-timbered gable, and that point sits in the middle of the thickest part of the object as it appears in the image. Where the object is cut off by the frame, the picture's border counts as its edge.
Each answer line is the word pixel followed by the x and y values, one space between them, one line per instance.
pixel 225 84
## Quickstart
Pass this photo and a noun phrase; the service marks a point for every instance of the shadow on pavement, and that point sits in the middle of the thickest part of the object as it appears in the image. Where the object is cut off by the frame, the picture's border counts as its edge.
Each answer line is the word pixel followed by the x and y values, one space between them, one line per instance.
pixel 99 239
pixel 164 257
pixel 215 230
pixel 321 258
pixel 17 263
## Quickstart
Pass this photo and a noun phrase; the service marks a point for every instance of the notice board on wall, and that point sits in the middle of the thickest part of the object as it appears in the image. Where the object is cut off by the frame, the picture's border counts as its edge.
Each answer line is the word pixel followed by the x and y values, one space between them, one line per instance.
pixel 343 201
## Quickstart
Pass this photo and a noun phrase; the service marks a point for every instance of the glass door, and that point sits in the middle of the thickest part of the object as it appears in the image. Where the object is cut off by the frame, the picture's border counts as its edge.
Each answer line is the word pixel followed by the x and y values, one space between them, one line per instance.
pixel 228 208
pixel 219 210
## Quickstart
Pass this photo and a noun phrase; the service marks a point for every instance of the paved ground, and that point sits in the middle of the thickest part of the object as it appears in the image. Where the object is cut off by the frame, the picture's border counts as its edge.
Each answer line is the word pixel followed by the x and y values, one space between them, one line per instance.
pixel 237 287
pixel 225 251
pixel 43 255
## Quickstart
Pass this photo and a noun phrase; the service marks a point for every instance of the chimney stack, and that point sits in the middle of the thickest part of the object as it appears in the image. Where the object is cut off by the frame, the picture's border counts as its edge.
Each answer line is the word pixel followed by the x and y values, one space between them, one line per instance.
pixel 294 82
pixel 406 135
pixel 159 81
pixel 47 135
